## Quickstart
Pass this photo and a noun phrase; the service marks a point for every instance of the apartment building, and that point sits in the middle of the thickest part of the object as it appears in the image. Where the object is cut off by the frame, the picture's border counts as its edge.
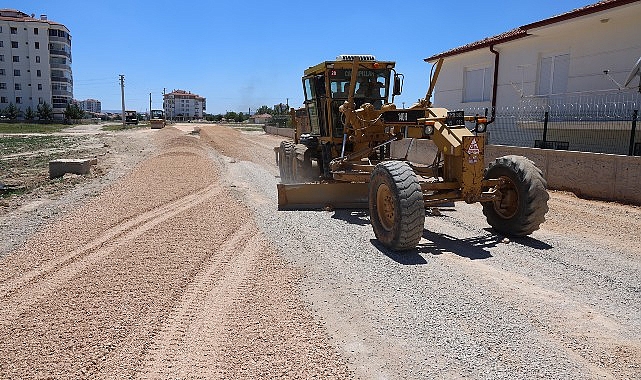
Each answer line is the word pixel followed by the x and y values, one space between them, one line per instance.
pixel 90 105
pixel 35 62
pixel 183 105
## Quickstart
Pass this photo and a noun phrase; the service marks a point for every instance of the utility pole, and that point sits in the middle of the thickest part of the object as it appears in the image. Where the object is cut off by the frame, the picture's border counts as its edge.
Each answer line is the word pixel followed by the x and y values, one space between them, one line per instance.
pixel 122 95
pixel 150 106
pixel 164 106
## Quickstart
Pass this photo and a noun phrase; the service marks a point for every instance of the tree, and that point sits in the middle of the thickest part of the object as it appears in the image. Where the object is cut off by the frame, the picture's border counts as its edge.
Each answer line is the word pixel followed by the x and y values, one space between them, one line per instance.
pixel 44 112
pixel 12 112
pixel 29 114
pixel 281 109
pixel 264 109
pixel 73 112
pixel 210 117
pixel 231 116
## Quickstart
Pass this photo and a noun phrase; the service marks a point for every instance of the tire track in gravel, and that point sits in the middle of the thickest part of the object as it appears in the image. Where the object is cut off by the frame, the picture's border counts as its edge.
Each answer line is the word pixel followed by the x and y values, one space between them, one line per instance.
pixel 45 279
pixel 190 340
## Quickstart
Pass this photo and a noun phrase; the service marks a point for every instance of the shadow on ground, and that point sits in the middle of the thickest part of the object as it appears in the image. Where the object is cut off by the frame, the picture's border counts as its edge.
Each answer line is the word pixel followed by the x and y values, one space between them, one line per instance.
pixel 352 216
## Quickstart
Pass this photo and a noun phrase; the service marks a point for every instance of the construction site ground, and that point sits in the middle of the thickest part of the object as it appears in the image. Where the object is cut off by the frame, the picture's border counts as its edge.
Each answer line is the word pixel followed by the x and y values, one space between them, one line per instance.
pixel 170 260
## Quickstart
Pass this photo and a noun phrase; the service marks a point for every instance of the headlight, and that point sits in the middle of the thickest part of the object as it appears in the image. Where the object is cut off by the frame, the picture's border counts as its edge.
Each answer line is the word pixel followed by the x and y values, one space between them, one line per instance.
pixel 480 127
pixel 428 130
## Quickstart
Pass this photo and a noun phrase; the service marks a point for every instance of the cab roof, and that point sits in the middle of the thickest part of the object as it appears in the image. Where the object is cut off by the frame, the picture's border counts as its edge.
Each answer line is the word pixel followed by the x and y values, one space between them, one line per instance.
pixel 345 63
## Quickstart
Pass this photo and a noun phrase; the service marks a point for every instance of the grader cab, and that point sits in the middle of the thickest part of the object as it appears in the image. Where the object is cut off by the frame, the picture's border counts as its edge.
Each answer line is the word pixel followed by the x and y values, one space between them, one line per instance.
pixel 345 160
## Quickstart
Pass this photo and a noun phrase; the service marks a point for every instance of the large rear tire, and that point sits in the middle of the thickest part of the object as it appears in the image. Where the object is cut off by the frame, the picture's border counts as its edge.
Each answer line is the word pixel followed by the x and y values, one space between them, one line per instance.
pixel 396 207
pixel 286 161
pixel 524 201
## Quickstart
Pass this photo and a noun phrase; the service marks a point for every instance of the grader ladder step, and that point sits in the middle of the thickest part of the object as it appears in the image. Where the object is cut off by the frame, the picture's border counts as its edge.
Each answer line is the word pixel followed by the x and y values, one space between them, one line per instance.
pixel 315 196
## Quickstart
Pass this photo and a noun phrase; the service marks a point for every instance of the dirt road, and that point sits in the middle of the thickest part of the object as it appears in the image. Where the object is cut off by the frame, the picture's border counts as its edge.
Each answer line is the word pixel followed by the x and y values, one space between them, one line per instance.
pixel 181 267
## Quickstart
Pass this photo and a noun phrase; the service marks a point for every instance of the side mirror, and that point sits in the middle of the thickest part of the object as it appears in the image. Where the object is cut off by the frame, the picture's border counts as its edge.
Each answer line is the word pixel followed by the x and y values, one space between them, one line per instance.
pixel 398 84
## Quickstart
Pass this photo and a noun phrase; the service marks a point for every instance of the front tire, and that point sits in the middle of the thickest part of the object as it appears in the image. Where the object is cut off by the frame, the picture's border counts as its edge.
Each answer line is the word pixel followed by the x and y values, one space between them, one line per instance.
pixel 285 161
pixel 523 203
pixel 396 207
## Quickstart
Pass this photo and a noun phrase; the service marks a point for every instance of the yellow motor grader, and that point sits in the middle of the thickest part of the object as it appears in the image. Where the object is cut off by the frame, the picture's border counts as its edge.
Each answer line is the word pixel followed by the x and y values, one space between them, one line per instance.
pixel 344 160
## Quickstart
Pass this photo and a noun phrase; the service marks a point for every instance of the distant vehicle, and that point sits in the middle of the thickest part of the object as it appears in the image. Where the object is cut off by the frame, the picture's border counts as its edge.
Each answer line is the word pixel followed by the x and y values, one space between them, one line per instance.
pixel 131 117
pixel 157 119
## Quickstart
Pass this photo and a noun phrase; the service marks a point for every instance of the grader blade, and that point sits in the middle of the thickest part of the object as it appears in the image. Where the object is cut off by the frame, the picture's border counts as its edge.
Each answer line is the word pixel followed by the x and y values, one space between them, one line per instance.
pixel 315 196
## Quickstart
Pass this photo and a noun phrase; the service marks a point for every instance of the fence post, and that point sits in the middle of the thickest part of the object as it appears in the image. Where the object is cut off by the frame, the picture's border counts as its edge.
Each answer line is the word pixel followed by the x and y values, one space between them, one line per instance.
pixel 545 125
pixel 633 132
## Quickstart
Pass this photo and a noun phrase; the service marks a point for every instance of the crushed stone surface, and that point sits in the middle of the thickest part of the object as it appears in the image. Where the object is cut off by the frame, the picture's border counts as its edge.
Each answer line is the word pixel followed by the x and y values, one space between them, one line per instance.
pixel 173 262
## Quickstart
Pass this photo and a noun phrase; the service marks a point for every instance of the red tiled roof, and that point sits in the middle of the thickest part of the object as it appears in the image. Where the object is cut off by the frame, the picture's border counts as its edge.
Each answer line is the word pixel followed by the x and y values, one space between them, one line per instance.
pixel 183 94
pixel 522 31
pixel 23 17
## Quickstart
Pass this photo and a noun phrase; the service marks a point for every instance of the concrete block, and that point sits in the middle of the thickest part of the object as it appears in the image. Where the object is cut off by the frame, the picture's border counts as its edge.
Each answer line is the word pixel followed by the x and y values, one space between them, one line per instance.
pixel 628 178
pixel 58 168
pixel 589 175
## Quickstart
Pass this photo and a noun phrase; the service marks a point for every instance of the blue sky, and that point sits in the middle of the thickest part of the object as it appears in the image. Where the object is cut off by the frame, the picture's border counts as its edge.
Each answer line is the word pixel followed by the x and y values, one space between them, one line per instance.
pixel 244 54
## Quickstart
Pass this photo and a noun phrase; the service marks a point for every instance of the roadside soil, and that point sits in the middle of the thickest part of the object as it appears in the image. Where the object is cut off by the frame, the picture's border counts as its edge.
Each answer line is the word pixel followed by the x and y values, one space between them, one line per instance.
pixel 169 261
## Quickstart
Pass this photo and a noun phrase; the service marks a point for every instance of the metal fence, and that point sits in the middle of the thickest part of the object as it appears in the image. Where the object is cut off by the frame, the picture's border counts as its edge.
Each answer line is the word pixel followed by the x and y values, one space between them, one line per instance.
pixel 597 122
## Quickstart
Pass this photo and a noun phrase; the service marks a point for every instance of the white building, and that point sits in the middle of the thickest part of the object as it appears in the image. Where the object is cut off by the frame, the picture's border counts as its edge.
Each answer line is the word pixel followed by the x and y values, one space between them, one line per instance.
pixel 35 62
pixel 589 50
pixel 90 105
pixel 183 105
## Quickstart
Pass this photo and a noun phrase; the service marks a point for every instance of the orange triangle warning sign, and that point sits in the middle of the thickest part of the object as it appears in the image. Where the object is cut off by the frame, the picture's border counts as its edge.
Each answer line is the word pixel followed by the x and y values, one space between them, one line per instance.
pixel 474 148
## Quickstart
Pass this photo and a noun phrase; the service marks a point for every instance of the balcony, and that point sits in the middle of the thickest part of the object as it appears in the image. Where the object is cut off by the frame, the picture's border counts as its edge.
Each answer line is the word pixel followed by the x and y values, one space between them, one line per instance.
pixel 62 93
pixel 61 79
pixel 59 39
pixel 62 66
pixel 60 52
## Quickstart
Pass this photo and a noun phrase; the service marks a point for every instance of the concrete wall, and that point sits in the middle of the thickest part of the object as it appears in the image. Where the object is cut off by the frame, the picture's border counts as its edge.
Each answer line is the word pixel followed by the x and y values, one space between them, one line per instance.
pixel 287 132
pixel 590 175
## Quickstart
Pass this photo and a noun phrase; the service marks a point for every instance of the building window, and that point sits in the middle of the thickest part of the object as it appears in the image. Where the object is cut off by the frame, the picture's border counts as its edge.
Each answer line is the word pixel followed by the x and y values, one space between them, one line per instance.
pixel 37 59
pixel 3 99
pixel 14 30
pixel 16 58
pixel 1 43
pixel 37 45
pixel 18 99
pixel 3 86
pixel 14 44
pixel 553 74
pixel 2 72
pixel 38 73
pixel 16 73
pixel 1 57
pixel 35 31
pixel 18 86
pixel 477 84
pixel 39 86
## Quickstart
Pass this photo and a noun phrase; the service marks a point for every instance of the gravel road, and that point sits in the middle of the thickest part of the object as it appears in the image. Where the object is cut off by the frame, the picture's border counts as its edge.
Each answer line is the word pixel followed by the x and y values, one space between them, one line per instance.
pixel 175 263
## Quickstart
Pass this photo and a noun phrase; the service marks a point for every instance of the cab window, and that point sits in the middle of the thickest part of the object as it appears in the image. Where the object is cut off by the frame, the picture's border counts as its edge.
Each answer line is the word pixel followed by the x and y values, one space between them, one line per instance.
pixel 307 86
pixel 340 89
